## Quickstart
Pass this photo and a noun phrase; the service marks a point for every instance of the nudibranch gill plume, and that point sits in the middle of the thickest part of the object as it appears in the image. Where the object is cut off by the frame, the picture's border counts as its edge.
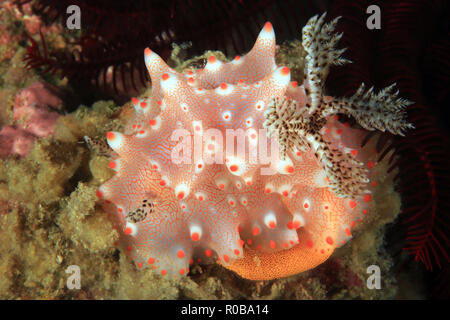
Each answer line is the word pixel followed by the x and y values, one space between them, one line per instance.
pixel 260 225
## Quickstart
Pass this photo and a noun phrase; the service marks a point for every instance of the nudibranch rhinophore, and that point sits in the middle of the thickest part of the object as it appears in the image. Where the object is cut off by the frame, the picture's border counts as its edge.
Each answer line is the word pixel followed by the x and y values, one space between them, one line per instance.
pixel 178 195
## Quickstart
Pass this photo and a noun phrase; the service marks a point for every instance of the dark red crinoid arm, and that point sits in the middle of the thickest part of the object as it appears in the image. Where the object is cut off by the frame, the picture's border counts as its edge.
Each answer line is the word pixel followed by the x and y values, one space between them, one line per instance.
pixel 114 34
pixel 411 49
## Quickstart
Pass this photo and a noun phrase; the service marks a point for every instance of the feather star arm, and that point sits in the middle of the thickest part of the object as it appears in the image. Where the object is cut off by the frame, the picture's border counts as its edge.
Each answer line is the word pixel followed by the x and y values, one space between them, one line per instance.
pixel 319 42
pixel 293 130
pixel 382 111
pixel 299 126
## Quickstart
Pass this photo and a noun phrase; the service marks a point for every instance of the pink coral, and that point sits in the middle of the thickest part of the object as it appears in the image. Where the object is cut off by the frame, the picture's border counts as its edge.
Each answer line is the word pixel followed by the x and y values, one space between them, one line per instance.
pixel 34 109
pixel 35 114
pixel 261 224
pixel 15 141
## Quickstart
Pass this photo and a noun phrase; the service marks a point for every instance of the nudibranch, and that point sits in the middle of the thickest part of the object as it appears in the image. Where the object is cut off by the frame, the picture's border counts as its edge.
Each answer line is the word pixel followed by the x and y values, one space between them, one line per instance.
pixel 261 219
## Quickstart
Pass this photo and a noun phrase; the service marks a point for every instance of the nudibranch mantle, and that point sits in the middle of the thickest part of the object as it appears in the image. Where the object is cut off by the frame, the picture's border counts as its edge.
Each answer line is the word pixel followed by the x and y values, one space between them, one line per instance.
pixel 262 226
